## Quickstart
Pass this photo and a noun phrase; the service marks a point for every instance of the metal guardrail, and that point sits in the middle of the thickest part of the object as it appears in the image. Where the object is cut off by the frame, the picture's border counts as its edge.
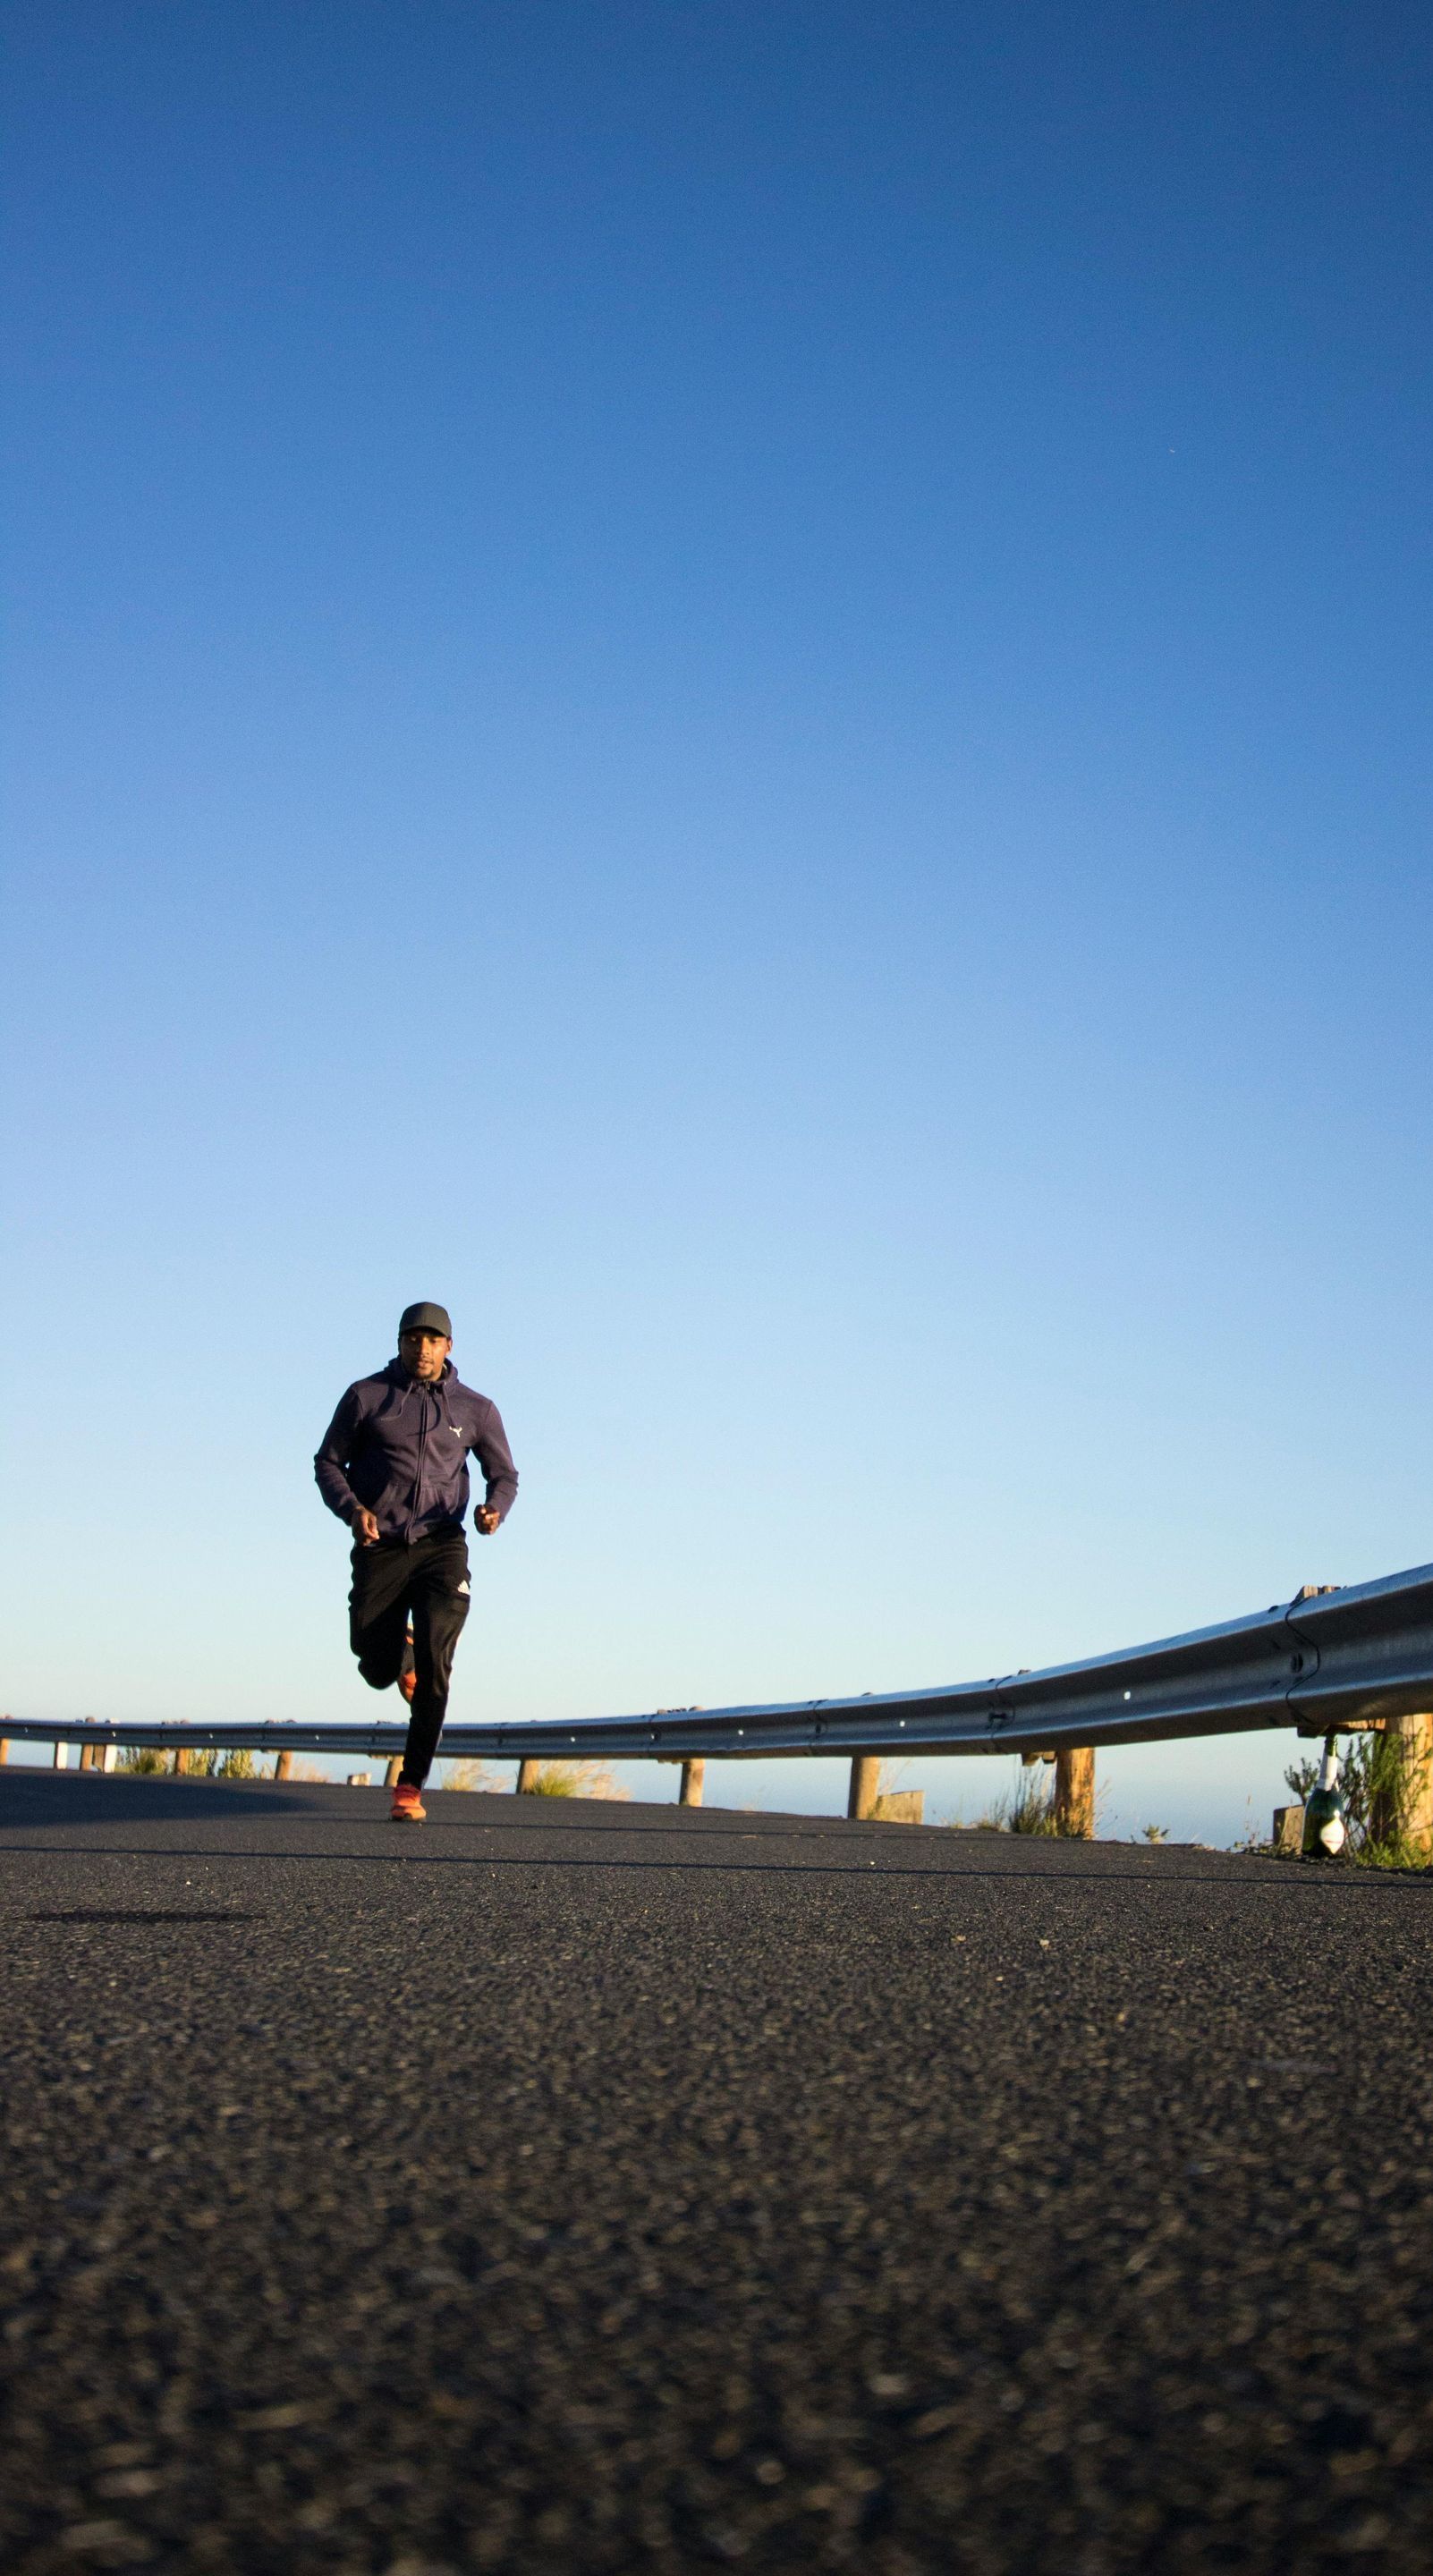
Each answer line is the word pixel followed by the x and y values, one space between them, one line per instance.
pixel 1331 1658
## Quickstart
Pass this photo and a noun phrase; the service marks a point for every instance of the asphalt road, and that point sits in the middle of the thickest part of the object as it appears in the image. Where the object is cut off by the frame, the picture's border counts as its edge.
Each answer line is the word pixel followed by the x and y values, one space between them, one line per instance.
pixel 579 2187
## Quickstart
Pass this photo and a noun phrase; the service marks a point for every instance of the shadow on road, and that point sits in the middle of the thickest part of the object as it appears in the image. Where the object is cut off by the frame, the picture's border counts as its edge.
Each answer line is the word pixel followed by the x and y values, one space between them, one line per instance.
pixel 30 1797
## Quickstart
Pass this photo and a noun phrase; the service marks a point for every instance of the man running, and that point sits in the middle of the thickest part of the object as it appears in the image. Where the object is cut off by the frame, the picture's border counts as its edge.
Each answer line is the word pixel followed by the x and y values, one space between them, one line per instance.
pixel 393 1463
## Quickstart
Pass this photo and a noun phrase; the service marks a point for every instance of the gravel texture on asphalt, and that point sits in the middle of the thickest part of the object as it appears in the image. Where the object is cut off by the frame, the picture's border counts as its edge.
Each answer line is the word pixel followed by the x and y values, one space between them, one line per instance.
pixel 569 2186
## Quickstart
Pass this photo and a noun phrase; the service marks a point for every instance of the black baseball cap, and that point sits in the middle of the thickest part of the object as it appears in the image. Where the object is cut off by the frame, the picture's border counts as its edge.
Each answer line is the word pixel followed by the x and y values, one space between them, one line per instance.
pixel 425 1319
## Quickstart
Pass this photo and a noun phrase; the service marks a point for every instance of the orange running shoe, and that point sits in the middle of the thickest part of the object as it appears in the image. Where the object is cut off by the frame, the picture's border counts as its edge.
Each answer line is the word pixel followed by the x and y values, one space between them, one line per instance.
pixel 408 1807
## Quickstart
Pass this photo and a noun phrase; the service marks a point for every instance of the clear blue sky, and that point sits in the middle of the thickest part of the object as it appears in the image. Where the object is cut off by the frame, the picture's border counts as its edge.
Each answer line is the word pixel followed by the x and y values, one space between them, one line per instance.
pixel 744 688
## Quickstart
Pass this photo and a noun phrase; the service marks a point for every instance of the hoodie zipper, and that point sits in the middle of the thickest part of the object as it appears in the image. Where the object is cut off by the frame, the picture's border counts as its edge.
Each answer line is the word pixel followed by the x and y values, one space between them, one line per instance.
pixel 422 1449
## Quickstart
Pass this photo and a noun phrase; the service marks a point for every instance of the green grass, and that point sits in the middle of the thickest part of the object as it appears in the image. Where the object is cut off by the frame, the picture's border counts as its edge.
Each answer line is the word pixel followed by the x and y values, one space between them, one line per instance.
pixel 1395 1851
pixel 465 1774
pixel 205 1764
pixel 574 1780
pixel 1030 1809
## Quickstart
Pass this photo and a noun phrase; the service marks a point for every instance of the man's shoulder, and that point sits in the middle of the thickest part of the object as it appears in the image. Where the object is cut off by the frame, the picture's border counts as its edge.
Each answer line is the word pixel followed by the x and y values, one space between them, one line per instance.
pixel 468 1397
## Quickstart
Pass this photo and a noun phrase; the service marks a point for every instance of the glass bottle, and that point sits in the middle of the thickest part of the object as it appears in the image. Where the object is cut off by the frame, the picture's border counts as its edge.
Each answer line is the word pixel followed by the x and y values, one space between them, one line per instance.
pixel 1325 1818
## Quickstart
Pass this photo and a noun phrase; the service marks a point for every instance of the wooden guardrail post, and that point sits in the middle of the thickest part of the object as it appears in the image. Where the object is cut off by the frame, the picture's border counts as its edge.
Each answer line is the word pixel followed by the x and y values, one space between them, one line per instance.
pixel 283 1765
pixel 1075 1792
pixel 1417 1734
pixel 693 1781
pixel 62 1757
pixel 1405 1806
pixel 527 1777
pixel 865 1784
pixel 181 1760
pixel 390 1776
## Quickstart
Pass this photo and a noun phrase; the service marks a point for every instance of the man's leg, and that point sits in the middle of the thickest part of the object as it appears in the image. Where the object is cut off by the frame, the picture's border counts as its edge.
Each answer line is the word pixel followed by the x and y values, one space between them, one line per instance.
pixel 439 1594
pixel 378 1610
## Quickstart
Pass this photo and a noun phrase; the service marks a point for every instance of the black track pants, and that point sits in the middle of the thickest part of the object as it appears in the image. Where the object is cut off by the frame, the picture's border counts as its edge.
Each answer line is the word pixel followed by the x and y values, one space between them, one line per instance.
pixel 429 1582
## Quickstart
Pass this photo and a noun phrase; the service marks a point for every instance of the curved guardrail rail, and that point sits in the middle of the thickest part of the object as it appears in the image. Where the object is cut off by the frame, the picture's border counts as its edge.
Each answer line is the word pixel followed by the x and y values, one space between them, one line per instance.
pixel 1333 1657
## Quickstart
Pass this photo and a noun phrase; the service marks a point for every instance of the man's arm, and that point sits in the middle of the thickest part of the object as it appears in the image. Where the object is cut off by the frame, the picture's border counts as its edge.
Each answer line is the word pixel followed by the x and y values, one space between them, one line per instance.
pixel 330 1464
pixel 490 1448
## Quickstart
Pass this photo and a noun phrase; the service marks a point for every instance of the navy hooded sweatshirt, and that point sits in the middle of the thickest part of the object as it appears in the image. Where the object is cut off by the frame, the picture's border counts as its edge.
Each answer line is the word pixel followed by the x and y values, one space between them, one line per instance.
pixel 399 1448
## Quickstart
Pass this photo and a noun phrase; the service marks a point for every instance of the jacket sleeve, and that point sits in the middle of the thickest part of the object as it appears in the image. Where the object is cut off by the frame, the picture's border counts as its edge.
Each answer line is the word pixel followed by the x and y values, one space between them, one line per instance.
pixel 490 1448
pixel 332 1458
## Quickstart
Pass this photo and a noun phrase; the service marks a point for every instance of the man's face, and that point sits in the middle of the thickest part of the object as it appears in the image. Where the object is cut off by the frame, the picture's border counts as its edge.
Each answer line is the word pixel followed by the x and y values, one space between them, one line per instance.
pixel 423 1354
